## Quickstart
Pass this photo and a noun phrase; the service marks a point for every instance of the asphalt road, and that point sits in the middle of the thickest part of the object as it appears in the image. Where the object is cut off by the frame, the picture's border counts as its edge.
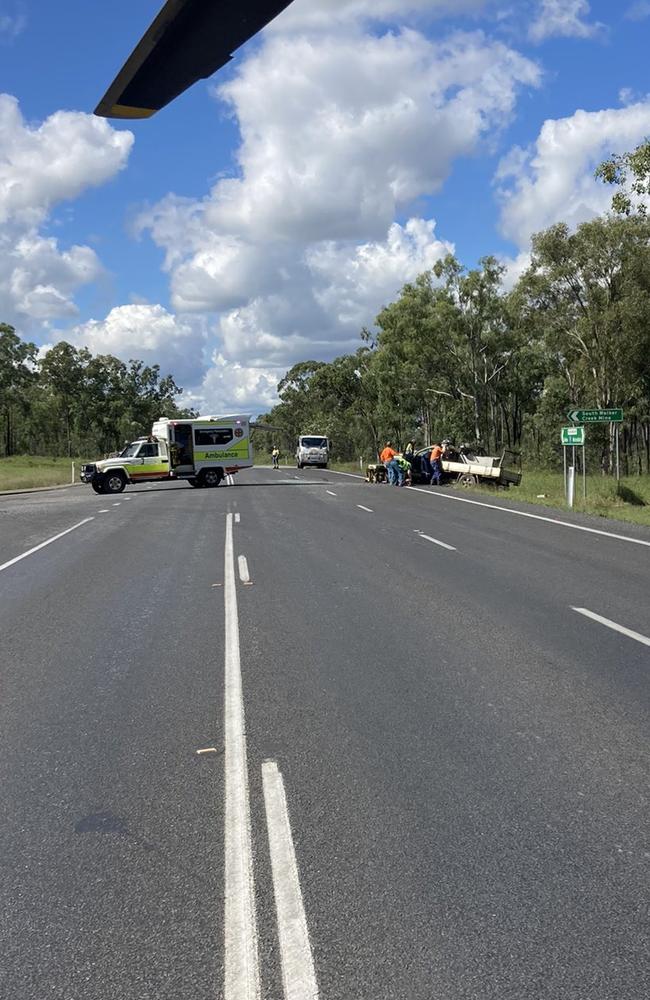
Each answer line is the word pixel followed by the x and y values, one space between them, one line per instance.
pixel 440 791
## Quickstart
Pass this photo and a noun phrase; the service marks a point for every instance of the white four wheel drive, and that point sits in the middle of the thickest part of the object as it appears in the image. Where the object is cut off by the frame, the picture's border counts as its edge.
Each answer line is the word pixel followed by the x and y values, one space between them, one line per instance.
pixel 200 451
pixel 312 449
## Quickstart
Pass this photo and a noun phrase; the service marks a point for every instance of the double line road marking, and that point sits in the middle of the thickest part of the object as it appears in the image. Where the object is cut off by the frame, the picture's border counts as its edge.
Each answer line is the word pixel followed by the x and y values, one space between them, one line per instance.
pixel 242 966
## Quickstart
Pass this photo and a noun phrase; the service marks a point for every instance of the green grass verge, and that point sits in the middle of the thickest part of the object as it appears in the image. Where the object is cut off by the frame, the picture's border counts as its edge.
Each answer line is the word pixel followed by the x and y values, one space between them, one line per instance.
pixel 24 472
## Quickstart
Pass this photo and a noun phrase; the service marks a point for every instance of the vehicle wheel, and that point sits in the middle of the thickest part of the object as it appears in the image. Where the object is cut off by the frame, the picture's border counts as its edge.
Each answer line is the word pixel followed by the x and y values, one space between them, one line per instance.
pixel 468 480
pixel 194 482
pixel 114 482
pixel 211 477
pixel 98 487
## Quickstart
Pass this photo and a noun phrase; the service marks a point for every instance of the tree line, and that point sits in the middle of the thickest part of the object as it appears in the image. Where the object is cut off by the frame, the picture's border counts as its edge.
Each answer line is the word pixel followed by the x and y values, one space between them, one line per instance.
pixel 458 356
pixel 69 402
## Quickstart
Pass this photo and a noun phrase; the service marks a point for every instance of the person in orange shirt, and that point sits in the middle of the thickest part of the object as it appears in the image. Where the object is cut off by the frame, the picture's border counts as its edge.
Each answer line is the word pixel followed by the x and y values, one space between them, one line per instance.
pixel 386 457
pixel 436 464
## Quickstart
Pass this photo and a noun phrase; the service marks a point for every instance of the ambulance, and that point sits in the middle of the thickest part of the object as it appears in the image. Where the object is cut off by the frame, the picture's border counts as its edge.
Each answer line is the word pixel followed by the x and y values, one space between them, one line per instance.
pixel 200 451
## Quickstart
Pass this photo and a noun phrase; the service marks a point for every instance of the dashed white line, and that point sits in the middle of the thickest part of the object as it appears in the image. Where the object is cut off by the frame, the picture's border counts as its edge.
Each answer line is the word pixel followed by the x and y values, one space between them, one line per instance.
pixel 237 518
pixel 330 493
pixel 361 507
pixel 244 575
pixel 117 504
pixel 42 545
pixel 242 976
pixel 298 973
pixel 105 510
pixel 613 625
pixel 436 541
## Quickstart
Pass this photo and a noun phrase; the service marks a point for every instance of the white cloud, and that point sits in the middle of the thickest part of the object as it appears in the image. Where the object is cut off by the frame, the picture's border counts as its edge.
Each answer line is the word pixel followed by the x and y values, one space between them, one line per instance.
pixel 40 166
pixel 330 14
pixel 12 24
pixel 564 18
pixel 341 133
pixel 151 334
pixel 553 180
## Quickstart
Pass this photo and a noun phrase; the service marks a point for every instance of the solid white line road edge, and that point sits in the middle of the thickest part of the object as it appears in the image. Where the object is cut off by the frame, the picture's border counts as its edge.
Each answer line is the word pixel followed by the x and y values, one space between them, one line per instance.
pixel 242 975
pixel 443 545
pixel 535 517
pixel 361 507
pixel 298 973
pixel 511 510
pixel 48 541
pixel 613 625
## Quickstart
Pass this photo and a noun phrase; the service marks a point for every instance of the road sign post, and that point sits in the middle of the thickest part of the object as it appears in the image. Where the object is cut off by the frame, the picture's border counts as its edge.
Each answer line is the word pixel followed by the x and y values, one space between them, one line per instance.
pixel 573 437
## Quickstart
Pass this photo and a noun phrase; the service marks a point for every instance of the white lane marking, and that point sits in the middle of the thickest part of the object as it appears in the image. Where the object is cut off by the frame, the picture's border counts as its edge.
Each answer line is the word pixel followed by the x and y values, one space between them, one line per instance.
pixel 361 507
pixel 297 477
pixel 242 976
pixel 535 517
pixel 436 541
pixel 237 518
pixel 353 475
pixel 42 545
pixel 117 504
pixel 105 510
pixel 298 973
pixel 330 493
pixel 244 575
pixel 613 625
pixel 128 498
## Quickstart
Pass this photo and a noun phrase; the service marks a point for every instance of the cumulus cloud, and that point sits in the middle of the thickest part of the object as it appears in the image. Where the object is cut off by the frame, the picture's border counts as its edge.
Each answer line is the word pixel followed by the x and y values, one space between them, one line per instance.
pixel 563 18
pixel 40 166
pixel 329 14
pixel 342 132
pixel 150 333
pixel 553 180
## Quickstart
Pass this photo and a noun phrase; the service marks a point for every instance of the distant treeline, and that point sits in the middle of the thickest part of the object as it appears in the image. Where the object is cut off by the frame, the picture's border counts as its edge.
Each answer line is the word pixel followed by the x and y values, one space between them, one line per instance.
pixel 456 356
pixel 71 403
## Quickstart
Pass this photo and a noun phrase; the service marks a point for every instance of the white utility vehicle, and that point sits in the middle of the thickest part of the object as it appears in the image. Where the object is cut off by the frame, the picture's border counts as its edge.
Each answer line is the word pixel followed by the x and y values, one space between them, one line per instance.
pixel 312 449
pixel 201 451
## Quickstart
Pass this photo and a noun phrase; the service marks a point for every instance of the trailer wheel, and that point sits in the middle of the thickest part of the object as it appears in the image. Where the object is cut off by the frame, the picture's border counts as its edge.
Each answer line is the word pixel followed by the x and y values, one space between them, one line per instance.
pixel 468 480
pixel 211 477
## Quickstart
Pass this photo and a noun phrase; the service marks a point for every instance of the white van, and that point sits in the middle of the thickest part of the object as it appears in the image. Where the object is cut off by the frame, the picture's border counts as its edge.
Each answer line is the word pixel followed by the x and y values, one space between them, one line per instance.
pixel 313 449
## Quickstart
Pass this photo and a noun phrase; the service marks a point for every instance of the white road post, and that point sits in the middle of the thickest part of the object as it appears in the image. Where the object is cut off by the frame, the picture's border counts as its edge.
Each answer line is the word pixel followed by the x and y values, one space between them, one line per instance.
pixel 571 485
pixel 72 480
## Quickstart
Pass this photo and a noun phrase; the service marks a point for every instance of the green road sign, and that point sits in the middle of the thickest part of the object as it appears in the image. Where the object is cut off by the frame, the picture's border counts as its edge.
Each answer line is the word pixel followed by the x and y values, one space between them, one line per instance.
pixel 611 416
pixel 573 436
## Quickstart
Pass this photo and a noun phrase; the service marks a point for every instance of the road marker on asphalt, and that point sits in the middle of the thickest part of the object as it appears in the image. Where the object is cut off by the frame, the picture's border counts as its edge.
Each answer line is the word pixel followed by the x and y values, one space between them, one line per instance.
pixel 244 575
pixel 361 507
pixel 42 545
pixel 298 973
pixel 117 504
pixel 242 976
pixel 105 510
pixel 199 753
pixel 330 493
pixel 613 625
pixel 237 518
pixel 436 541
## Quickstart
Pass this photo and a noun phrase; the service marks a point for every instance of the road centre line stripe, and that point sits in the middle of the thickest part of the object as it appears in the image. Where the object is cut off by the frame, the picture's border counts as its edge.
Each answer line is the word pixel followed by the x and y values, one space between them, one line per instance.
pixel 298 975
pixel 104 511
pixel 330 493
pixel 613 625
pixel 242 976
pixel 511 510
pixel 237 518
pixel 244 575
pixel 361 507
pixel 435 541
pixel 42 545
pixel 535 517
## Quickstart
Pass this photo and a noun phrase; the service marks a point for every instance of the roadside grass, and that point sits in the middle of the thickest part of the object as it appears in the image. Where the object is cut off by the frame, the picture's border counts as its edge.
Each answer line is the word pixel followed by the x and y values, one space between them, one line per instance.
pixel 24 472
pixel 629 502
